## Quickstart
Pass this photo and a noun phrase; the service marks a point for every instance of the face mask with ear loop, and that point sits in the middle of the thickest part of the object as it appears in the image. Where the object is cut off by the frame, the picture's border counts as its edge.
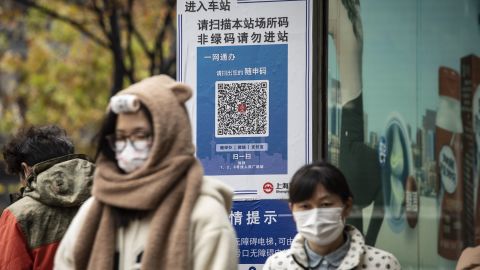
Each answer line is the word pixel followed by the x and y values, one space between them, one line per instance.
pixel 320 225
pixel 130 159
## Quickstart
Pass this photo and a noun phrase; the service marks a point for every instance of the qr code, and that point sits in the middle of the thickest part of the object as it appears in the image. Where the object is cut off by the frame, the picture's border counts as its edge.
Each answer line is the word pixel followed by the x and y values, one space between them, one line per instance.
pixel 241 108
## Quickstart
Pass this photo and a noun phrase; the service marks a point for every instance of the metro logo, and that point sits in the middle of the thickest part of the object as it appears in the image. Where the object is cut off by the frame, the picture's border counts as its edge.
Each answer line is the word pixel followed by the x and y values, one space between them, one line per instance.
pixel 268 187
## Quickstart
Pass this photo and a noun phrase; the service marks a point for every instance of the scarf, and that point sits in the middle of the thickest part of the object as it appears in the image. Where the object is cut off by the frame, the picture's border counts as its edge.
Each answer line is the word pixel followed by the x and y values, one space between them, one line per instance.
pixel 167 185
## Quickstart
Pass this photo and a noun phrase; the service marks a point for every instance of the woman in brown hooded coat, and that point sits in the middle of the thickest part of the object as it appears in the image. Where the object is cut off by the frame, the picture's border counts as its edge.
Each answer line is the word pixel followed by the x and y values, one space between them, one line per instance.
pixel 152 208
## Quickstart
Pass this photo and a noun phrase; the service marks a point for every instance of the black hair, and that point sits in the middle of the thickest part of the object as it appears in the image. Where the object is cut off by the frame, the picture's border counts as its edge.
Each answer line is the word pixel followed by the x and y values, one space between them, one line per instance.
pixel 108 127
pixel 35 144
pixel 305 181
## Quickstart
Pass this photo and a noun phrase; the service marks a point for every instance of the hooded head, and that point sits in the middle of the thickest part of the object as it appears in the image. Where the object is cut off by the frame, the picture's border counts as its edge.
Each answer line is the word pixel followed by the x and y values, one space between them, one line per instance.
pixel 162 101
pixel 171 151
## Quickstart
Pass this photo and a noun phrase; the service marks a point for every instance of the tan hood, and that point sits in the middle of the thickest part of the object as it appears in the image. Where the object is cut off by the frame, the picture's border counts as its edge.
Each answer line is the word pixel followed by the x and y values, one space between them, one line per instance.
pixel 165 99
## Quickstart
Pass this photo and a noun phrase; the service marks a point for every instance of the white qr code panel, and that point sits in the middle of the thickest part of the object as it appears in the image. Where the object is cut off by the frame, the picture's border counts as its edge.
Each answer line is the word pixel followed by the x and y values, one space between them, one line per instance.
pixel 241 108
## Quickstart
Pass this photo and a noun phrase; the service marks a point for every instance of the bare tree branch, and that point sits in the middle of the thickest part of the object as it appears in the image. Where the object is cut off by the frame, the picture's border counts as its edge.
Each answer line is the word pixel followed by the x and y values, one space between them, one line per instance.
pixel 170 65
pixel 77 25
pixel 158 50
pixel 141 40
pixel 116 48
pixel 111 24
pixel 127 15
pixel 101 20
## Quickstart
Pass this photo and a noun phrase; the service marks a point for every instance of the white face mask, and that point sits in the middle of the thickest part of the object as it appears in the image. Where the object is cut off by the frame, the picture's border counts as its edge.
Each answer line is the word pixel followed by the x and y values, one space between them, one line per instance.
pixel 130 158
pixel 320 225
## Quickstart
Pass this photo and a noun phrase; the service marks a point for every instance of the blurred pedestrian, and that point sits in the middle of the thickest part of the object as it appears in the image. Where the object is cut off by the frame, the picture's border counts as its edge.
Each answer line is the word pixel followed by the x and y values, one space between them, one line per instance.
pixel 152 208
pixel 321 200
pixel 55 183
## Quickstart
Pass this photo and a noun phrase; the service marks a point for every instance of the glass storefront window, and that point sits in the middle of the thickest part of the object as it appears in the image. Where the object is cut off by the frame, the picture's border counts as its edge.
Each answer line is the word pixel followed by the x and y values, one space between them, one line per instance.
pixel 403 123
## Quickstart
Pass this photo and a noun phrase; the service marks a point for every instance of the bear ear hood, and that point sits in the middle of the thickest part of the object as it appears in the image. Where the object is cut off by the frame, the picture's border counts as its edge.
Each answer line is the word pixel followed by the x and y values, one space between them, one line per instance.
pixel 165 99
pixel 182 92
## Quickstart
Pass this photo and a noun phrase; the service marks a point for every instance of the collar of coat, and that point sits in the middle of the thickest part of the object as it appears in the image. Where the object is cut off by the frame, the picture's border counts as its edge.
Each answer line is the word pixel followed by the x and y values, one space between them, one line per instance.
pixel 357 247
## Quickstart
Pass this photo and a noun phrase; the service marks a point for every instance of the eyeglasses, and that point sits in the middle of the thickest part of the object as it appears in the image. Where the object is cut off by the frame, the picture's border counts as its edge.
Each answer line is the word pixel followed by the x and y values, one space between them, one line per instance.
pixel 139 140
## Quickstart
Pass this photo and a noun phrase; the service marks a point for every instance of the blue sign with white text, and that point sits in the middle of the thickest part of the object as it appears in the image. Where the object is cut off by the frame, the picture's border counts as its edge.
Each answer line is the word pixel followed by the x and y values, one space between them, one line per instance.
pixel 242 109
pixel 263 227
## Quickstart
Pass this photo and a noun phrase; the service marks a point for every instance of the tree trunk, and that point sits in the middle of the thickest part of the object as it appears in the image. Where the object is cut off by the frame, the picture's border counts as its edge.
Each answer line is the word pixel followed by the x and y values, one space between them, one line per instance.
pixel 119 70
